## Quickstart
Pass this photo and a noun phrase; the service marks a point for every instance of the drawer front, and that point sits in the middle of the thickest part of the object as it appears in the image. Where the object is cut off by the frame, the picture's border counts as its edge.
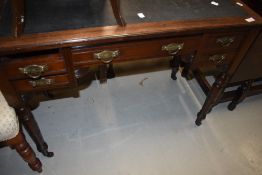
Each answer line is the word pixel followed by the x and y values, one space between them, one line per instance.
pixel 135 50
pixel 213 62
pixel 222 41
pixel 46 83
pixel 35 67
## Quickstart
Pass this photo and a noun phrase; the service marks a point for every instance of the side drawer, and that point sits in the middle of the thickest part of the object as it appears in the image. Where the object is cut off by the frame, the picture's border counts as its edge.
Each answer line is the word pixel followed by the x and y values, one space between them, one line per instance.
pixel 222 41
pixel 137 50
pixel 46 83
pixel 27 67
pixel 212 62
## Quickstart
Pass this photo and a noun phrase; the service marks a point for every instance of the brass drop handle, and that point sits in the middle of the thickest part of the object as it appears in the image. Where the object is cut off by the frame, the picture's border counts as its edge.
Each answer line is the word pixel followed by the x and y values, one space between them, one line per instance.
pixel 34 71
pixel 225 41
pixel 41 82
pixel 218 59
pixel 173 48
pixel 107 56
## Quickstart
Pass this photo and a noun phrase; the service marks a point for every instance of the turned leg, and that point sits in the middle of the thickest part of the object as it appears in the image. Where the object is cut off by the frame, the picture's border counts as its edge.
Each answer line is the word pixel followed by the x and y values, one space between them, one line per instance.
pixel 186 68
pixel 241 95
pixel 212 98
pixel 31 100
pixel 117 12
pixel 32 128
pixel 18 17
pixel 25 151
pixel 48 94
pixel 110 71
pixel 174 63
pixel 102 73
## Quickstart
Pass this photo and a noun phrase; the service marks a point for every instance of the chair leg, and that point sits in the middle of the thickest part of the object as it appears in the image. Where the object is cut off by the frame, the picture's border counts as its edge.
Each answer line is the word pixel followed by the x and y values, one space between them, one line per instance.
pixel 242 93
pixel 18 17
pixel 25 151
pixel 32 128
pixel 117 12
pixel 212 98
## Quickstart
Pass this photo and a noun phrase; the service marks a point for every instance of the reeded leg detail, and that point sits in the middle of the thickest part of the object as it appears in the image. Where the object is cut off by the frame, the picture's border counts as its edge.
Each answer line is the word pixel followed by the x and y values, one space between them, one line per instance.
pixel 174 63
pixel 32 128
pixel 110 71
pixel 242 93
pixel 212 98
pixel 26 152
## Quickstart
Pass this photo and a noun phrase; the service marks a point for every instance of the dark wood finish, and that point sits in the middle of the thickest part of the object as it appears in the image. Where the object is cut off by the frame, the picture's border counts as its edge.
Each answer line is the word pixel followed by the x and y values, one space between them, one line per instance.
pixel 54 62
pixel 110 71
pixel 102 73
pixel 24 113
pixel 216 92
pixel 25 151
pixel 75 49
pixel 250 68
pixel 32 127
pixel 175 63
pixel 58 81
pixel 242 94
pixel 213 96
pixel 117 12
pixel 134 50
pixel 255 5
pixel 18 17
pixel 1 8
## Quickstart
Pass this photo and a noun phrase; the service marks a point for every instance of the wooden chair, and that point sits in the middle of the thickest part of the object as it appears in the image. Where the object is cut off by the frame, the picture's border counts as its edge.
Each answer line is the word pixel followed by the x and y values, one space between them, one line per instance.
pixel 12 135
pixel 18 15
pixel 117 12
pixel 24 113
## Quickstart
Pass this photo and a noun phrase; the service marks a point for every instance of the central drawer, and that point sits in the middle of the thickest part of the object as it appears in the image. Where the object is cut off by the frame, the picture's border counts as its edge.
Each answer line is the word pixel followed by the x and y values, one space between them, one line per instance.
pixel 135 50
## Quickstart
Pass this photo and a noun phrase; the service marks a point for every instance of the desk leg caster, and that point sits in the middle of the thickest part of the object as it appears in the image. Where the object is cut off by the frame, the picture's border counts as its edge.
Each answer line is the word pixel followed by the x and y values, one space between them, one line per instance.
pixel 173 74
pixel 200 117
pixel 231 106
pixel 198 122
pixel 44 150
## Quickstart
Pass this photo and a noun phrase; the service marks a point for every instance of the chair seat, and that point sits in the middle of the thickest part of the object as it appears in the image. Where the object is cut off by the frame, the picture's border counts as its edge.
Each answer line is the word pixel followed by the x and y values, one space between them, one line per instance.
pixel 9 125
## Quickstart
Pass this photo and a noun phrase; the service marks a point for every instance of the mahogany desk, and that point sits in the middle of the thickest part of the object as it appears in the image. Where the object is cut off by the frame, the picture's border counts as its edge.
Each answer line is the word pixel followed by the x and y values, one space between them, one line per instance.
pixel 60 40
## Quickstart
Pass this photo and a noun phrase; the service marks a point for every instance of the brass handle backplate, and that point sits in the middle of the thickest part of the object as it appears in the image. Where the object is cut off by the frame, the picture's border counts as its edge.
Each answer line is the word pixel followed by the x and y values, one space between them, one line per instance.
pixel 34 71
pixel 225 41
pixel 41 82
pixel 173 48
pixel 218 59
pixel 107 56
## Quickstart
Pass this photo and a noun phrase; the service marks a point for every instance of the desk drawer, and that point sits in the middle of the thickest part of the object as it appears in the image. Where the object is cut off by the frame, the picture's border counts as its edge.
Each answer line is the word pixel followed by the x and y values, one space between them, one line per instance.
pixel 46 83
pixel 213 61
pixel 29 67
pixel 222 41
pixel 136 50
